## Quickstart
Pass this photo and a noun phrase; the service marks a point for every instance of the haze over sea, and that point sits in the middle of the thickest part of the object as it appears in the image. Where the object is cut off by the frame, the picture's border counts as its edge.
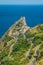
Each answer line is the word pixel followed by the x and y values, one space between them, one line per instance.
pixel 9 14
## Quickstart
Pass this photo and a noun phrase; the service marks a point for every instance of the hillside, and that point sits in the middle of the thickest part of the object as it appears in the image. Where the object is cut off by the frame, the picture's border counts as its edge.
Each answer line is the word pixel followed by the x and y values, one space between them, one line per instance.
pixel 22 45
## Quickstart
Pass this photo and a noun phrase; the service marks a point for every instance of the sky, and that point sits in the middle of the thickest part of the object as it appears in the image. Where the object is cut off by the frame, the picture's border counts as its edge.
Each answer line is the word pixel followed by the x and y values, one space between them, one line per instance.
pixel 22 2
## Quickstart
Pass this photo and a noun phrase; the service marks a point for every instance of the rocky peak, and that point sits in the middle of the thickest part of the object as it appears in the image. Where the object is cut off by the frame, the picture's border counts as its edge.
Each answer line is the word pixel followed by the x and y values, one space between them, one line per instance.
pixel 22 21
pixel 19 27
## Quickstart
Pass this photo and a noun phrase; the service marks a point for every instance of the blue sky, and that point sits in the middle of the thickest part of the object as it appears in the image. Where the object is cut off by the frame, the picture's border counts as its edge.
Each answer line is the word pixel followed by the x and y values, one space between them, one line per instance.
pixel 21 1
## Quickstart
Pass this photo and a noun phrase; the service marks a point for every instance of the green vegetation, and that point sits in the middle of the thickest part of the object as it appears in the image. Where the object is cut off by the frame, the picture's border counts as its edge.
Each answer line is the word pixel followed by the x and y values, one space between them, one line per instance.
pixel 15 50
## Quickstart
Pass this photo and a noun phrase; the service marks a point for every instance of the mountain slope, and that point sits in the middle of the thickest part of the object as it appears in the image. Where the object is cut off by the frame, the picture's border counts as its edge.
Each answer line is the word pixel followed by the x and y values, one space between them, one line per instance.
pixel 22 45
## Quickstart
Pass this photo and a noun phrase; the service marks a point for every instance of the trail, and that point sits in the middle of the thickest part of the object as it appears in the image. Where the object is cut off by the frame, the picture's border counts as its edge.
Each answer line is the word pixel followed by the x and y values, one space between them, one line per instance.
pixel 11 48
pixel 33 61
pixel 28 52
pixel 36 49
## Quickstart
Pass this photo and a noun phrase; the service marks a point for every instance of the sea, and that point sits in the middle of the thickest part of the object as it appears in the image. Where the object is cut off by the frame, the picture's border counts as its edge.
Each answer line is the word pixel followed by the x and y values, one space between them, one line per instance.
pixel 9 14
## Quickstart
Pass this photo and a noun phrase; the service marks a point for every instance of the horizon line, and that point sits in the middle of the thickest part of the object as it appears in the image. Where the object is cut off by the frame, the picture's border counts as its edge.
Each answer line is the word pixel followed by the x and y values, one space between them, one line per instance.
pixel 21 4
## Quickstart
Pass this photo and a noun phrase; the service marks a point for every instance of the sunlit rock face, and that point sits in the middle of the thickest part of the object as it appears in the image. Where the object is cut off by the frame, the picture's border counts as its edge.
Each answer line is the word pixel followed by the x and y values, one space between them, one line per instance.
pixel 22 45
pixel 19 27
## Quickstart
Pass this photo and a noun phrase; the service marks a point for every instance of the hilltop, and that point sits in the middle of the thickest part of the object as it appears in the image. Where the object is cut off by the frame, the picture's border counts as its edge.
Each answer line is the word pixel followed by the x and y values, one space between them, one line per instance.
pixel 22 45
